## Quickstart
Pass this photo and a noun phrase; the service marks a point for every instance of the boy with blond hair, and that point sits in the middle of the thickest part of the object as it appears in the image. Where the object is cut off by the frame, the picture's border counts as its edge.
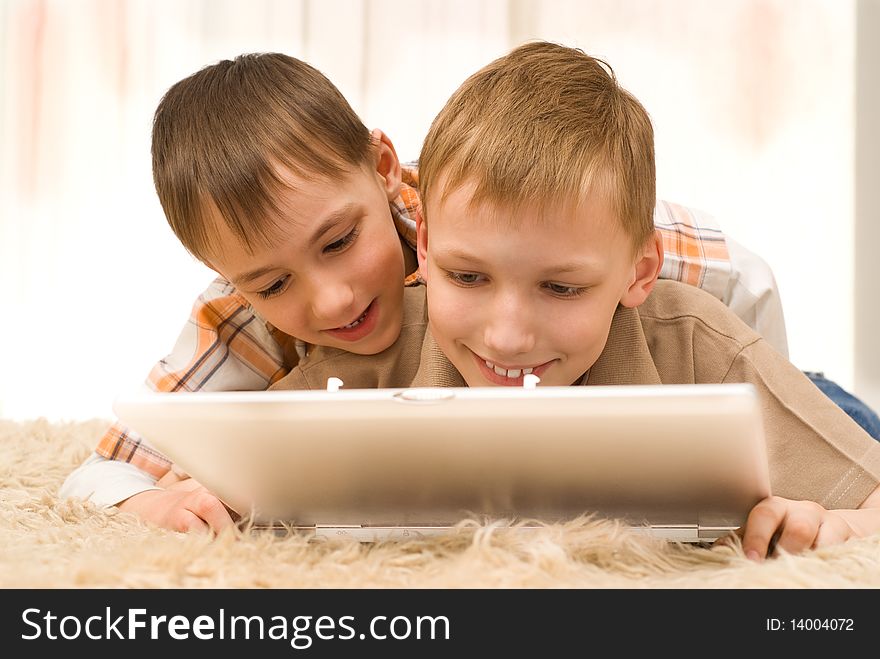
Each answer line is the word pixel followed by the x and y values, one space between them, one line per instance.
pixel 267 176
pixel 539 255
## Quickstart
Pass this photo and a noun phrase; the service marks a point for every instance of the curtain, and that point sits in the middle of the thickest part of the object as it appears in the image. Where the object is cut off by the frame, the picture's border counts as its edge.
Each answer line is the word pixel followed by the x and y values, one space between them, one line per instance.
pixel 752 102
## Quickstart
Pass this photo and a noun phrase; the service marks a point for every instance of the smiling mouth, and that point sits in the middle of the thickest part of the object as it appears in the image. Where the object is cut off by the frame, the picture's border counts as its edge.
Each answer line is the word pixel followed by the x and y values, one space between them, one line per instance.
pixel 360 327
pixel 358 321
pixel 510 377
pixel 508 372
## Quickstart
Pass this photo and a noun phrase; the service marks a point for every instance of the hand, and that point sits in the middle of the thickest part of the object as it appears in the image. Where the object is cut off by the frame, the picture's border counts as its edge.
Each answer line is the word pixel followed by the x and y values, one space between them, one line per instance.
pixel 777 523
pixel 182 505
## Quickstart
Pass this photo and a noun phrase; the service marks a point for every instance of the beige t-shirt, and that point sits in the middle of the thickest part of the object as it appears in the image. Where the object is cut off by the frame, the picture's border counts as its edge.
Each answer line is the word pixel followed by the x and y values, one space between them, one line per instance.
pixel 680 335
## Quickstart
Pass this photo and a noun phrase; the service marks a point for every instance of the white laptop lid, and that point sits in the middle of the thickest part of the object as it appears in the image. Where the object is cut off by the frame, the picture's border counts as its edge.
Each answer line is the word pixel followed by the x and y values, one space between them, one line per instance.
pixel 665 455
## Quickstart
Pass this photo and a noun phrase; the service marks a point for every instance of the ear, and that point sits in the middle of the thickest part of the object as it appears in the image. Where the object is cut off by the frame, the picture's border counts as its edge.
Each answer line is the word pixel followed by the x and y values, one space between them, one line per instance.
pixel 422 246
pixel 645 272
pixel 387 163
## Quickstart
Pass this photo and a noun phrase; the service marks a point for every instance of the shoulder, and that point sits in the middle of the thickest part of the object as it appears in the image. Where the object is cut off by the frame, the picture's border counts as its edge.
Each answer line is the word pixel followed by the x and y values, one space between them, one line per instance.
pixel 674 303
pixel 692 336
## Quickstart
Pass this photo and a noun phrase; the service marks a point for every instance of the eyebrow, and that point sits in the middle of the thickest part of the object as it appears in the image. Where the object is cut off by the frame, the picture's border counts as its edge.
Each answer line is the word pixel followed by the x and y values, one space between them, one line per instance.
pixel 562 268
pixel 328 224
pixel 248 277
pixel 331 221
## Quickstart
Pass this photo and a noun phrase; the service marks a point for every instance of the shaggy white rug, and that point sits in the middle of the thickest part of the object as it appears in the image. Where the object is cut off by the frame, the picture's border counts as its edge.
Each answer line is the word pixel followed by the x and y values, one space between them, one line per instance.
pixel 48 543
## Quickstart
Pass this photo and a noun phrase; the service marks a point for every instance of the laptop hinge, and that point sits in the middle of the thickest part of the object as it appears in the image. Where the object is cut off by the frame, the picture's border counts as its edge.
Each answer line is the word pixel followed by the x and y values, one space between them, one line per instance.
pixel 672 532
pixel 679 532
pixel 715 532
pixel 374 533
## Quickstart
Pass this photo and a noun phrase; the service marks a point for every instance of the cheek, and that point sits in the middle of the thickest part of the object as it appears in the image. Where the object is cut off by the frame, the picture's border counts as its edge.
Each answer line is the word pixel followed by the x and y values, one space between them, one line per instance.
pixel 382 259
pixel 579 331
pixel 450 312
pixel 285 314
pixel 586 332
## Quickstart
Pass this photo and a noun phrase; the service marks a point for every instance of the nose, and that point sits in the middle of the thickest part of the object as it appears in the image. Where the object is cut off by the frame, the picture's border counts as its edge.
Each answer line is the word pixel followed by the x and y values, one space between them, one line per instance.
pixel 332 301
pixel 509 330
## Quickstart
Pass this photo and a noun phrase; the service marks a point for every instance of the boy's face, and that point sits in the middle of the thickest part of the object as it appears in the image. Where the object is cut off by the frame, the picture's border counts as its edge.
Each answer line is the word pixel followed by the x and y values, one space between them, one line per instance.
pixel 509 296
pixel 335 275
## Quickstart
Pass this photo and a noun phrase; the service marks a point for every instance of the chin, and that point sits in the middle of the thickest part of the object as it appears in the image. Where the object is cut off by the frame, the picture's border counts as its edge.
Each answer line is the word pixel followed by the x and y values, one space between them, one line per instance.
pixel 382 341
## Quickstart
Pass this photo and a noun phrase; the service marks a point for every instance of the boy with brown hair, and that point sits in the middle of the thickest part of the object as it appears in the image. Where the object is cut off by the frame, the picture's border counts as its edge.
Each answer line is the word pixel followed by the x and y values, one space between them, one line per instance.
pixel 267 175
pixel 540 256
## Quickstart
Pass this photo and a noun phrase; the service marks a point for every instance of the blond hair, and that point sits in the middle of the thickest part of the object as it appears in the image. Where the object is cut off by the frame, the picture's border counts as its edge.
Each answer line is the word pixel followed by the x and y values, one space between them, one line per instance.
pixel 221 135
pixel 543 126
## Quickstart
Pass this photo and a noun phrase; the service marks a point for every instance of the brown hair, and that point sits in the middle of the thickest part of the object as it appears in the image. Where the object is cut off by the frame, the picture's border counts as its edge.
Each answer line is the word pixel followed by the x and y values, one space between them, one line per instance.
pixel 543 125
pixel 220 136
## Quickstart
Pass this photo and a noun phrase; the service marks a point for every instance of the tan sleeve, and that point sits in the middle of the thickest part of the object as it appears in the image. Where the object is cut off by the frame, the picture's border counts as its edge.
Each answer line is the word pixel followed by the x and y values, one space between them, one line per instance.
pixel 816 451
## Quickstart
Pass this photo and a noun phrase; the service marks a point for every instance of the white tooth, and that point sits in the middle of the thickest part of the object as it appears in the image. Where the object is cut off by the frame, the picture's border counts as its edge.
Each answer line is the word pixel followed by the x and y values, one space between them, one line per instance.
pixel 355 323
pixel 489 364
pixel 526 371
pixel 501 371
pixel 513 373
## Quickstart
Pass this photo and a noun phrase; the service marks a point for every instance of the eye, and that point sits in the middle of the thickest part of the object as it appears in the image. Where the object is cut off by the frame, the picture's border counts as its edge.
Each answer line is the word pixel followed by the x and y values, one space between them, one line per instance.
pixel 342 243
pixel 561 290
pixel 275 289
pixel 464 278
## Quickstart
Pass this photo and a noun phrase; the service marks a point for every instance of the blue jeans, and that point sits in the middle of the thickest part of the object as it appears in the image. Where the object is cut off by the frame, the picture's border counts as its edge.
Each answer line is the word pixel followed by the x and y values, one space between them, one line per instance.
pixel 857 410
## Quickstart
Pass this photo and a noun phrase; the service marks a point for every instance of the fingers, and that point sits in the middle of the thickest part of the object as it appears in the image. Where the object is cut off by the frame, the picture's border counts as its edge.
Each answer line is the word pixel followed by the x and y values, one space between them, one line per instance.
pixel 199 512
pixel 832 530
pixel 185 506
pixel 795 526
pixel 200 502
pixel 189 507
pixel 761 525
pixel 186 521
pixel 800 527
pixel 210 509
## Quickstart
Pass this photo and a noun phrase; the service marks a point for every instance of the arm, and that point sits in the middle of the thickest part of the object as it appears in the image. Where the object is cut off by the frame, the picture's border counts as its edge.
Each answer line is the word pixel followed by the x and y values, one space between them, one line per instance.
pixel 223 346
pixel 169 502
pixel 105 482
pixel 824 468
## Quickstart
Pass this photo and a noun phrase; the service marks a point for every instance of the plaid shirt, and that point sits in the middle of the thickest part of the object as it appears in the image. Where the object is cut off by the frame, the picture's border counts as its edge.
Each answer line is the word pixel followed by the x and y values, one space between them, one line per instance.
pixel 694 249
pixel 225 346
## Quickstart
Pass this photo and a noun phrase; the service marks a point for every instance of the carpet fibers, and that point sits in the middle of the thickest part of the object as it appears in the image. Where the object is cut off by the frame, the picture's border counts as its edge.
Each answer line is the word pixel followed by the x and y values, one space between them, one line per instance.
pixel 50 543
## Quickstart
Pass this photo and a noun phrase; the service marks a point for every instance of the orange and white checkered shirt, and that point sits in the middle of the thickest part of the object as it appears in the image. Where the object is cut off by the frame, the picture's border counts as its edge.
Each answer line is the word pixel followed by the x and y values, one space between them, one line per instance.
pixel 225 346
pixel 694 248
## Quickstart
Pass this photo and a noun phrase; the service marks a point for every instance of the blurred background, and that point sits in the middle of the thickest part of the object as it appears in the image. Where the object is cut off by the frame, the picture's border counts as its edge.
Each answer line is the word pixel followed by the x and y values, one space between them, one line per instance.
pixel 765 114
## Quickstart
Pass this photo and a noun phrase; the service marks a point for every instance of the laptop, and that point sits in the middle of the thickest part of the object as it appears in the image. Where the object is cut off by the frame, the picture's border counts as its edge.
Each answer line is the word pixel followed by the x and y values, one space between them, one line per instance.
pixel 682 462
